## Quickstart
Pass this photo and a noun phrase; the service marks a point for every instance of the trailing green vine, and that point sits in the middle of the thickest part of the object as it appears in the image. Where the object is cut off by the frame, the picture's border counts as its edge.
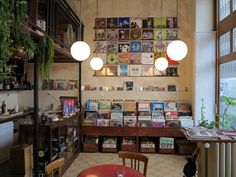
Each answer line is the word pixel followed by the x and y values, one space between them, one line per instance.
pixel 46 55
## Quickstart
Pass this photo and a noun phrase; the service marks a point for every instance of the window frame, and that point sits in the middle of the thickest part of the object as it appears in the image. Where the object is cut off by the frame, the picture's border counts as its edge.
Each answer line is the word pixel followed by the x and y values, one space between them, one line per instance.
pixel 225 25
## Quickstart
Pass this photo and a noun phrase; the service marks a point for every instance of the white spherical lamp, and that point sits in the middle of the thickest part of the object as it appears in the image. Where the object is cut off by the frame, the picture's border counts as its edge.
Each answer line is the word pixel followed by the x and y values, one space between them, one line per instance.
pixel 80 50
pixel 96 63
pixel 161 64
pixel 177 50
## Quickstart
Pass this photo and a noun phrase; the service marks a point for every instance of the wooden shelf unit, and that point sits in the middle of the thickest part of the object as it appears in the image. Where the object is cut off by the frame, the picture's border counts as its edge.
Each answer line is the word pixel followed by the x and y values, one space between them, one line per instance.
pixel 137 132
pixel 51 134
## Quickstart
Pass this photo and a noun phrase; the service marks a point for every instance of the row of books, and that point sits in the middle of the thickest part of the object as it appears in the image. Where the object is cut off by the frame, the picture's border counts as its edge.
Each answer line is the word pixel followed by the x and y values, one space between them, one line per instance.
pixel 135 34
pixel 140 105
pixel 129 122
pixel 111 142
pixel 136 22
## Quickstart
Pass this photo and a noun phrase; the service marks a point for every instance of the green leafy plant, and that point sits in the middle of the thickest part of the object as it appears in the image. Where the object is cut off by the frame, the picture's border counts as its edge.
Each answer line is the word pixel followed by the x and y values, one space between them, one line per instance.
pixel 225 118
pixel 13 34
pixel 46 55
pixel 204 122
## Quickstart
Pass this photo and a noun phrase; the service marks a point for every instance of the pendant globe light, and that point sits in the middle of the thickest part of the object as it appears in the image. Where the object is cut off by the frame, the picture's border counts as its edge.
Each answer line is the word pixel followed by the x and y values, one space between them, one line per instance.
pixel 177 49
pixel 80 50
pixel 96 63
pixel 161 63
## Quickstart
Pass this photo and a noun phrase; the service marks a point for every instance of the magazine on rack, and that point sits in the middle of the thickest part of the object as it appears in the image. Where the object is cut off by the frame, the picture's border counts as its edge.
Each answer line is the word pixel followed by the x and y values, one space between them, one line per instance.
pixel 201 133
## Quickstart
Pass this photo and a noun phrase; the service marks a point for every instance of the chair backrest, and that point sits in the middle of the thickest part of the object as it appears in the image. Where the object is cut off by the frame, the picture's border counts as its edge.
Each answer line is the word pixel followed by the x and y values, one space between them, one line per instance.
pixel 53 166
pixel 135 159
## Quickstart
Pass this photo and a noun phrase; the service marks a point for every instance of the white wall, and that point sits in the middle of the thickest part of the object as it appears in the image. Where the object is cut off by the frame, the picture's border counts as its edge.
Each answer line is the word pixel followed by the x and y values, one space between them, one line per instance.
pixel 204 64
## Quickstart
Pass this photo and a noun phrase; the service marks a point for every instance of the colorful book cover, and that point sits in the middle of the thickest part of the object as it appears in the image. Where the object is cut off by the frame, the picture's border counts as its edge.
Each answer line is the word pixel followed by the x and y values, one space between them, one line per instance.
pixel 68 107
pixel 123 47
pixel 117 105
pixel 103 122
pixel 101 72
pixel 157 106
pixel 124 22
pixel 135 70
pixel 158 123
pixel 170 106
pixel 135 58
pixel 147 34
pixel 111 70
pixel 112 47
pixel 144 106
pixel 129 105
pixel 147 58
pixel 130 122
pixel 101 46
pixel 112 23
pixel 148 22
pixel 184 106
pixel 100 35
pixel 147 46
pixel 123 70
pixel 100 23
pixel 135 46
pixel 91 115
pixel 159 34
pixel 91 105
pixel 171 22
pixel 172 71
pixel 135 22
pixel 159 46
pixel 166 143
pixel 147 70
pixel 171 34
pixel 117 115
pixel 104 105
pixel 116 123
pixel 173 123
pixel 159 22
pixel 135 34
pixel 111 58
pixel 123 59
pixel 171 114
pixel 158 115
pixel 145 123
pixel 124 34
pixel 112 34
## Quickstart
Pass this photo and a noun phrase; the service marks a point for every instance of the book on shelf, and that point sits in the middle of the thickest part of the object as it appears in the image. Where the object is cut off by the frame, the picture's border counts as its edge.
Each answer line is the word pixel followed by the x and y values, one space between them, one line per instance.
pixel 117 115
pixel 158 115
pixel 157 106
pixel 116 105
pixel 145 123
pixel 171 115
pixel 130 121
pixel 116 123
pixel 144 106
pixel 170 106
pixel 128 140
pixel 156 123
pixel 166 143
pixel 103 122
pixel 173 123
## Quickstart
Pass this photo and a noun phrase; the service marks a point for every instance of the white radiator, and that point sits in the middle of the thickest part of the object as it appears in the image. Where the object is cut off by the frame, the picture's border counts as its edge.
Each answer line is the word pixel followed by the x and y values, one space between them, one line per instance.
pixel 217 161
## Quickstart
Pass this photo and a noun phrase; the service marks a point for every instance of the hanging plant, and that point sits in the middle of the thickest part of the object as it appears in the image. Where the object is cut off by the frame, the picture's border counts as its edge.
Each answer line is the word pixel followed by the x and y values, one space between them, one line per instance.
pixel 46 55
pixel 22 46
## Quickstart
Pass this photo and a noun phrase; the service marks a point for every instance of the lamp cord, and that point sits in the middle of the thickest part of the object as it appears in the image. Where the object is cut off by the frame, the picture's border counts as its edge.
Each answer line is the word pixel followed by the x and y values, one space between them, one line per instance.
pixel 177 6
pixel 80 20
pixel 96 29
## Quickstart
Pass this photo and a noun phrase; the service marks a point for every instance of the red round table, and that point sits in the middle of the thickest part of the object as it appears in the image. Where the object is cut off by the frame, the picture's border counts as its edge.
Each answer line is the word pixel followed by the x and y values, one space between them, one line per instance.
pixel 112 170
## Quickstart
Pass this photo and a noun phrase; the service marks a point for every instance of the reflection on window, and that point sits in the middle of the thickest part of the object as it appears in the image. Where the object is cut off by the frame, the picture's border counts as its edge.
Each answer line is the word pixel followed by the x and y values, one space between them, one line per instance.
pixel 234 38
pixel 228 88
pixel 225 44
pixel 224 9
pixel 234 5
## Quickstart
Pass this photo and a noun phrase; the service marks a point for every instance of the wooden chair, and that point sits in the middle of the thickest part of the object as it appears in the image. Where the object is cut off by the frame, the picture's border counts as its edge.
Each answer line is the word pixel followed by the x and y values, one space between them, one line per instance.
pixel 135 159
pixel 53 166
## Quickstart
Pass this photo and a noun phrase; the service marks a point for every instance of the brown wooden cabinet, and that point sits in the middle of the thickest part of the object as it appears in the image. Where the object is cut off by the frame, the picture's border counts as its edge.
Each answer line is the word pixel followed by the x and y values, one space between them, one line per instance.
pixel 137 132
pixel 57 139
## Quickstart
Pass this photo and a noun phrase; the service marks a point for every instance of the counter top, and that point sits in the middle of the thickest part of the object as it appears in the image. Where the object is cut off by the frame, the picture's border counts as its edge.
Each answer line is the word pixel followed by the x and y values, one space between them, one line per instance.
pixel 12 117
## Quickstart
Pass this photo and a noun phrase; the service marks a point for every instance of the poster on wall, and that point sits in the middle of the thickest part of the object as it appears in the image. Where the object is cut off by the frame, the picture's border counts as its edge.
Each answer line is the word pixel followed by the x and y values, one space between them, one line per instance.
pixel 112 23
pixel 147 70
pixel 135 58
pixel 135 23
pixel 112 35
pixel 123 59
pixel 147 34
pixel 123 70
pixel 135 46
pixel 124 22
pixel 100 23
pixel 112 70
pixel 123 34
pixel 111 58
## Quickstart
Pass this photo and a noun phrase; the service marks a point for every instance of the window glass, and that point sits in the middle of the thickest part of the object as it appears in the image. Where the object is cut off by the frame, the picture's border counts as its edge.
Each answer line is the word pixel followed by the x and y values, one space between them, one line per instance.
pixel 234 5
pixel 225 44
pixel 224 9
pixel 234 38
pixel 228 89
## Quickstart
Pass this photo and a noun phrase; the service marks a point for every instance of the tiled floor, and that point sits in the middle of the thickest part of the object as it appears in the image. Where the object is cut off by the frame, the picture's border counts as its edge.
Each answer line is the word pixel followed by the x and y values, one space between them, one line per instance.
pixel 159 165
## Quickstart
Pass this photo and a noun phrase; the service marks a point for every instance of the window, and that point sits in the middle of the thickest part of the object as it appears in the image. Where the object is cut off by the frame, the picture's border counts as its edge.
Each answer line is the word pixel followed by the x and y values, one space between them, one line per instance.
pixel 234 6
pixel 234 39
pixel 224 8
pixel 227 59
pixel 225 44
pixel 228 88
